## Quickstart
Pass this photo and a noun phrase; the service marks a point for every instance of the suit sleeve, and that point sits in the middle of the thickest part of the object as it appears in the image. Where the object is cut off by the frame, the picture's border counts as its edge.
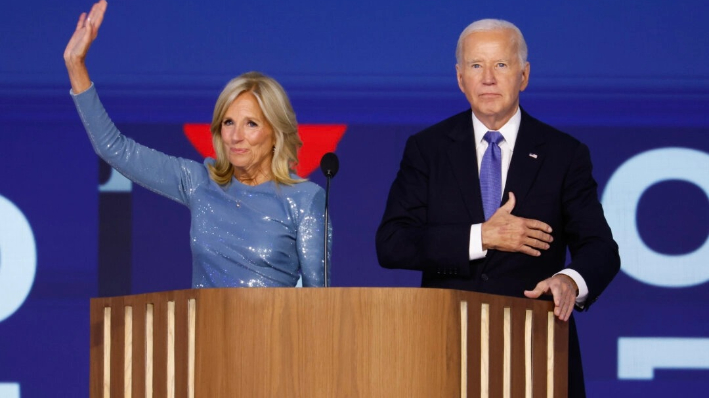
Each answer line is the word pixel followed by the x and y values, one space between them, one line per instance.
pixel 594 253
pixel 405 239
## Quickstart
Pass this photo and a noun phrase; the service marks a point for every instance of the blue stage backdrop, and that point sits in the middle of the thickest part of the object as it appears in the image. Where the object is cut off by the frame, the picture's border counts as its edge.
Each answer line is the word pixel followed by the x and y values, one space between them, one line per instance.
pixel 628 78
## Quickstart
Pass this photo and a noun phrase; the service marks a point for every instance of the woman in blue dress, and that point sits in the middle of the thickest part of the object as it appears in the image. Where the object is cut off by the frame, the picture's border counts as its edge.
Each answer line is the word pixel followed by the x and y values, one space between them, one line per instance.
pixel 254 222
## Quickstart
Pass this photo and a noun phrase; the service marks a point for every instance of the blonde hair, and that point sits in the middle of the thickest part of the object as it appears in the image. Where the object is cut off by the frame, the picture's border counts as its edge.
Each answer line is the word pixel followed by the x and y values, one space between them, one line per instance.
pixel 279 113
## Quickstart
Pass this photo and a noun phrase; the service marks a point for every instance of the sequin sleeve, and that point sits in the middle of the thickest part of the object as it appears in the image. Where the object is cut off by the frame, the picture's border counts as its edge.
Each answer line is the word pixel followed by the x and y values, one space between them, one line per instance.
pixel 310 240
pixel 167 175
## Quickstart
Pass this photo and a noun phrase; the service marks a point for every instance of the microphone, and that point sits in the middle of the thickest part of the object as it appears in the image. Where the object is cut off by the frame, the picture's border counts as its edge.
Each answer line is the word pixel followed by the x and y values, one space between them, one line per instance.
pixel 329 164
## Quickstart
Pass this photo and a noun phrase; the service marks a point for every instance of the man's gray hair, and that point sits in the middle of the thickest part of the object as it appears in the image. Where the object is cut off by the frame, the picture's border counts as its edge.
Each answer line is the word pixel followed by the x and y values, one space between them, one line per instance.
pixel 485 25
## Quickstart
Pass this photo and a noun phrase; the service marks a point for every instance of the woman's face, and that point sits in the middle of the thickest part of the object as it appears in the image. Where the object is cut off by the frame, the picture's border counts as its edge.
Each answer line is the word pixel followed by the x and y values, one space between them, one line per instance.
pixel 248 138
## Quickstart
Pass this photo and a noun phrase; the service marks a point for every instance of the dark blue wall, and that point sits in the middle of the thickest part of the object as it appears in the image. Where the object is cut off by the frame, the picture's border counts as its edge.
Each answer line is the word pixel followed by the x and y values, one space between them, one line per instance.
pixel 624 77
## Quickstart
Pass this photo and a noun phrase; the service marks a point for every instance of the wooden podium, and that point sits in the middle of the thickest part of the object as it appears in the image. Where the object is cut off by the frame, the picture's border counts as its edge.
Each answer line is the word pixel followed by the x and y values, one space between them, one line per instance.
pixel 326 342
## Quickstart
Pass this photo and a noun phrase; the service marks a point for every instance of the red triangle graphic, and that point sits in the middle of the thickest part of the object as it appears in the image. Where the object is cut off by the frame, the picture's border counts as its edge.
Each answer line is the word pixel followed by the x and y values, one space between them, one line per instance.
pixel 318 139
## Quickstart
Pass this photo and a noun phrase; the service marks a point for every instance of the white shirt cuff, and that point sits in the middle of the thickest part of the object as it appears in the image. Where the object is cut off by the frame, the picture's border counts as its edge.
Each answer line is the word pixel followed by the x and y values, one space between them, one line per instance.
pixel 475 250
pixel 580 283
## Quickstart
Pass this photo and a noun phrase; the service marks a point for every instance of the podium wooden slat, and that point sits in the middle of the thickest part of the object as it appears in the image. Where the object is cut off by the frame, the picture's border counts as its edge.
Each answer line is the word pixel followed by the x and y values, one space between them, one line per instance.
pixel 518 349
pixel 334 342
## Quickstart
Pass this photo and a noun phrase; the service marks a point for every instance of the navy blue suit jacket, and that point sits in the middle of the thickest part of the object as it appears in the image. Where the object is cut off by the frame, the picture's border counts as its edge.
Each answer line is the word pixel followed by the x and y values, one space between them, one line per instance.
pixel 435 198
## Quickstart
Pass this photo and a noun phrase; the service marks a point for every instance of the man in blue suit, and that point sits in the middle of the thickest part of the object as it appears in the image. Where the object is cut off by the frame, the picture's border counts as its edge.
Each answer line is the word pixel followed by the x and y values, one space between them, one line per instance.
pixel 490 199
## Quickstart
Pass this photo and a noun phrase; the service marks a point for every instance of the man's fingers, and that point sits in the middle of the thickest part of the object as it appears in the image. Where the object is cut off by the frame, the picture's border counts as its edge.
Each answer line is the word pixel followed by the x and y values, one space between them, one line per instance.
pixel 534 293
pixel 537 225
pixel 539 235
pixel 540 289
pixel 510 204
pixel 564 307
pixel 529 251
pixel 536 243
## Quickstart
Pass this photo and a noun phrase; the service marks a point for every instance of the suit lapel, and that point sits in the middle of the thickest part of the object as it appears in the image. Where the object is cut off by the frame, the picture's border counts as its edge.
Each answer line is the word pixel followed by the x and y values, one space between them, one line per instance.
pixel 527 158
pixel 465 166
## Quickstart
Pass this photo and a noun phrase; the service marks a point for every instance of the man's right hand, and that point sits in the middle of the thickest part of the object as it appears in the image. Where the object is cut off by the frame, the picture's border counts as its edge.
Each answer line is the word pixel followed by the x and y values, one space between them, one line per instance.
pixel 509 233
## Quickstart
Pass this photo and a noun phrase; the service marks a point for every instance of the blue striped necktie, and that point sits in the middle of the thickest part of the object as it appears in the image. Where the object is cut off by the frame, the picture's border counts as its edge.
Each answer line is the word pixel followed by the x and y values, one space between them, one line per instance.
pixel 491 174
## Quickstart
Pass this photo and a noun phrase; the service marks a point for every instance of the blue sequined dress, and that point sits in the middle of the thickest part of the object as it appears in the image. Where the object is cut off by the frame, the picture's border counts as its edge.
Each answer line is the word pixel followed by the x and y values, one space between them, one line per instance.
pixel 241 235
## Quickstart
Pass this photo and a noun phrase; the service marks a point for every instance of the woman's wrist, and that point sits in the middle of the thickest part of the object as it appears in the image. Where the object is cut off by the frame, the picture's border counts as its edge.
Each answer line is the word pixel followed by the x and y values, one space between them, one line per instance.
pixel 78 76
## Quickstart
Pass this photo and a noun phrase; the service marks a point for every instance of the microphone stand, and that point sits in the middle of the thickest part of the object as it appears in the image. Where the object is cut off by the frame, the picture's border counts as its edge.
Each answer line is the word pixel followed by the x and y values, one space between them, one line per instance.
pixel 329 164
pixel 327 224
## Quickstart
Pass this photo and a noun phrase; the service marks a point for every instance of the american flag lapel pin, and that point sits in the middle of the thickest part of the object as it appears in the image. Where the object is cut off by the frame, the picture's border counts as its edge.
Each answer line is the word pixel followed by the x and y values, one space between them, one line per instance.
pixel 532 155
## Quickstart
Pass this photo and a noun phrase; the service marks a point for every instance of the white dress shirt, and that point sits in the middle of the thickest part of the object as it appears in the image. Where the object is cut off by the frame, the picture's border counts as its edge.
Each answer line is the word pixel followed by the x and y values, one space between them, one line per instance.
pixel 509 133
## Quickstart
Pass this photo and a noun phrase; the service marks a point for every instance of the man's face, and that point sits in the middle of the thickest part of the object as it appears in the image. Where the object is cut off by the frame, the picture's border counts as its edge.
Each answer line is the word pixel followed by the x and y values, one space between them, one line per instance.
pixel 491 75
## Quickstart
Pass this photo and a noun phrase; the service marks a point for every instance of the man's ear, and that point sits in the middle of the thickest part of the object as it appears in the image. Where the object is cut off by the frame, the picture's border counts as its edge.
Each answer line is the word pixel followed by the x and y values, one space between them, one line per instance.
pixel 525 77
pixel 459 76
